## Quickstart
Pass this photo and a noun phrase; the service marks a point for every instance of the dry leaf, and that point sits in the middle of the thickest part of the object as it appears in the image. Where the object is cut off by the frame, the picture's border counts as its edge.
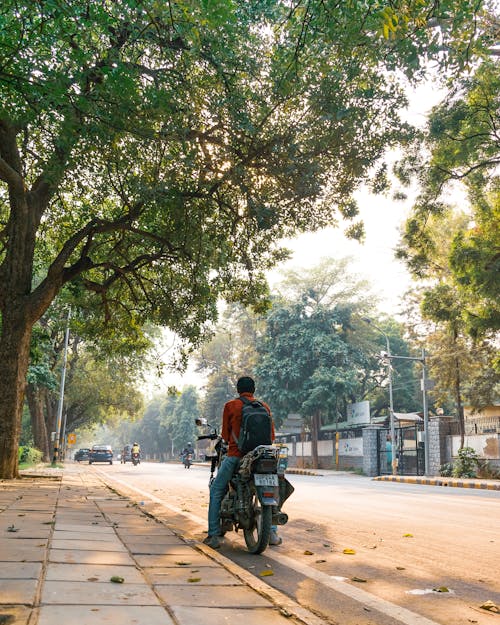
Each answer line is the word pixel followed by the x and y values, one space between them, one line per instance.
pixel 92 579
pixel 266 573
pixel 441 589
pixel 308 553
pixel 192 580
pixel 349 552
pixel 407 535
pixel 401 568
pixel 11 528
pixel 358 579
pixel 320 561
pixel 116 579
pixel 490 606
pixel 181 563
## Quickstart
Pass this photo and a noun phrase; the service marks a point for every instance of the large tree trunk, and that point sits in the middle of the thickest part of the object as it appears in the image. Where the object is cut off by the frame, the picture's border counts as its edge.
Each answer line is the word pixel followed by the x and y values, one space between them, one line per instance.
pixel 36 402
pixel 14 357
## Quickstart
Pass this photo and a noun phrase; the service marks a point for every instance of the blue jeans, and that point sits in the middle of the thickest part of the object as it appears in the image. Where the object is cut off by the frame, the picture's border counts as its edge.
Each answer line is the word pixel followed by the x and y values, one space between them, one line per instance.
pixel 217 492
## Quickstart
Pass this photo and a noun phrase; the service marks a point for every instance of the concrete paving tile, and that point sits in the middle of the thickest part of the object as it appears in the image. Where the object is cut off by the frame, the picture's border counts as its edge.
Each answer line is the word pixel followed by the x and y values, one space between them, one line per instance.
pixel 75 556
pixel 84 527
pixel 216 616
pixel 22 554
pixel 83 615
pixel 207 575
pixel 14 615
pixel 157 539
pixel 194 559
pixel 146 532
pixel 20 570
pixel 178 548
pixel 17 591
pixel 93 572
pixel 93 536
pixel 211 596
pixel 97 593
pixel 89 545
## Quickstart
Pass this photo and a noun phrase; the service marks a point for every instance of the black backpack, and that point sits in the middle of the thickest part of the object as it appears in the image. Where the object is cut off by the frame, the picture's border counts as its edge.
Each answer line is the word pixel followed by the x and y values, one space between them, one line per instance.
pixel 256 426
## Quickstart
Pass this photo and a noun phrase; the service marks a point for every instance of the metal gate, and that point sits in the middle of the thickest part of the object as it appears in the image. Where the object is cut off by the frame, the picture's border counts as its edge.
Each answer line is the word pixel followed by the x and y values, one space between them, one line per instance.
pixel 409 450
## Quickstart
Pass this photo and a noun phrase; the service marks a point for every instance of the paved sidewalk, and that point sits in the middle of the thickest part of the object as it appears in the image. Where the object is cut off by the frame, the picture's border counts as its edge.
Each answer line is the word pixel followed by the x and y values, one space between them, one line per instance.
pixel 74 552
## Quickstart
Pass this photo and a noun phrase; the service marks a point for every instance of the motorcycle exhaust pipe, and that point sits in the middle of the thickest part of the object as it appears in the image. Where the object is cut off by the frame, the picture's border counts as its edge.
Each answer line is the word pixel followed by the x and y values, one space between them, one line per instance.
pixel 281 518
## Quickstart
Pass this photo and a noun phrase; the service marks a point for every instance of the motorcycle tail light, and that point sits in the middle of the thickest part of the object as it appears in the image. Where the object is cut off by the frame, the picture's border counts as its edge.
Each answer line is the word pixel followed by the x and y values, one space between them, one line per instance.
pixel 269 494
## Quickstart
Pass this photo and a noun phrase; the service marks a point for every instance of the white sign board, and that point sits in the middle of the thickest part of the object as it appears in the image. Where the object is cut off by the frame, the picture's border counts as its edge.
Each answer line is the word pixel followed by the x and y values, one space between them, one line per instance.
pixel 359 413
pixel 351 447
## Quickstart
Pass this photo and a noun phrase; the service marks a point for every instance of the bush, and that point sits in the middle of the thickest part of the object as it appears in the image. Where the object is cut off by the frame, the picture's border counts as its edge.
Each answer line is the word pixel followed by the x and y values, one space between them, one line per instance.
pixel 446 470
pixel 29 455
pixel 486 470
pixel 467 463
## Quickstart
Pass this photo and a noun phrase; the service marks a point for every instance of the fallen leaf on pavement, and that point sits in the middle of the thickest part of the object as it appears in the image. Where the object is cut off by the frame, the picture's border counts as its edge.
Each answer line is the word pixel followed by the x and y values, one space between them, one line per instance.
pixel 349 552
pixel 181 563
pixel 401 568
pixel 441 589
pixel 193 580
pixel 407 535
pixel 308 553
pixel 266 573
pixel 320 561
pixel 490 606
pixel 92 579
pixel 11 528
pixel 358 579
pixel 116 579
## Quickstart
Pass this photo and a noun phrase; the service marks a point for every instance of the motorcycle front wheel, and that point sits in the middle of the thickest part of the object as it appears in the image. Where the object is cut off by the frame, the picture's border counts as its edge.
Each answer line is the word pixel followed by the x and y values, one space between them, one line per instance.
pixel 257 538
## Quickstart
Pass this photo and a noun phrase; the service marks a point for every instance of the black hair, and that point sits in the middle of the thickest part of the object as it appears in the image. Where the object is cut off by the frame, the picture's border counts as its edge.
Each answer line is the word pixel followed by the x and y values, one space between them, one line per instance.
pixel 245 385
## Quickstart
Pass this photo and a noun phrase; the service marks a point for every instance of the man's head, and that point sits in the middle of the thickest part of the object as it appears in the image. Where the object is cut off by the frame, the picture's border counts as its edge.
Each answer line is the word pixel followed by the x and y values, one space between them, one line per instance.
pixel 245 385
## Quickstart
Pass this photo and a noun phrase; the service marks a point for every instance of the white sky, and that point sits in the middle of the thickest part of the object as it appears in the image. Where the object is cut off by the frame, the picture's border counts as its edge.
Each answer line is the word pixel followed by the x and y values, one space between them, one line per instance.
pixel 373 260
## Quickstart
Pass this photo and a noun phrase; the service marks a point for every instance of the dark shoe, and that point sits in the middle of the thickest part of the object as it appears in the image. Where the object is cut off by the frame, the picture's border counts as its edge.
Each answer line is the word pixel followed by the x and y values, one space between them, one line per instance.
pixel 213 541
pixel 274 539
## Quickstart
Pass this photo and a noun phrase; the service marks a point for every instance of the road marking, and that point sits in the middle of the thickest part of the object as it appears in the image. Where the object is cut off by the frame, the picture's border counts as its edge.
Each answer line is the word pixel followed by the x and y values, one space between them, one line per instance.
pixel 402 615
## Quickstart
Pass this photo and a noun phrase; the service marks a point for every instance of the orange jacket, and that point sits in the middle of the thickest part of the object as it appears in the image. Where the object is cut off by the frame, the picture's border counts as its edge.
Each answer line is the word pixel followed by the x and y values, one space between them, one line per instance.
pixel 231 423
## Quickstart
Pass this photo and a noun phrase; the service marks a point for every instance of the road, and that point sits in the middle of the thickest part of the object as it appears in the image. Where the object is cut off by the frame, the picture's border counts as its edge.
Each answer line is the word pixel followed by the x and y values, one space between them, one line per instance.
pixel 407 541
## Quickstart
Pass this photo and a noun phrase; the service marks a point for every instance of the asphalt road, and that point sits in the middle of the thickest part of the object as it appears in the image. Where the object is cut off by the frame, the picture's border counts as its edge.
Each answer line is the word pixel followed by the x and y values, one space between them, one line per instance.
pixel 408 540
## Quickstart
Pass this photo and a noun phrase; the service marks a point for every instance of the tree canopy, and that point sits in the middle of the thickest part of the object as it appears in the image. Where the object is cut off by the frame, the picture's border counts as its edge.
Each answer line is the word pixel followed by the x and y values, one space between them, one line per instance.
pixel 154 153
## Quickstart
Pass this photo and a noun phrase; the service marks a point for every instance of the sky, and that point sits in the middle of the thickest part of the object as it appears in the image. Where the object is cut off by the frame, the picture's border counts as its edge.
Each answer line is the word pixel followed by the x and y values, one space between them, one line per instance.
pixel 372 260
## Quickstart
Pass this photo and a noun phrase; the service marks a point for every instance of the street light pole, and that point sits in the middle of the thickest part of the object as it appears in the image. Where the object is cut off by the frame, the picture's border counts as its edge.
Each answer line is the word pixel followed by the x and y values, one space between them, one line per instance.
pixel 57 442
pixel 394 461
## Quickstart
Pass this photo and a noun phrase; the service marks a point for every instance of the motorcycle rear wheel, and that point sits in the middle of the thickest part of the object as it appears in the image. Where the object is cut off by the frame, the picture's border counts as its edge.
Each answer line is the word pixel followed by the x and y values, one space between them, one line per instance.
pixel 257 538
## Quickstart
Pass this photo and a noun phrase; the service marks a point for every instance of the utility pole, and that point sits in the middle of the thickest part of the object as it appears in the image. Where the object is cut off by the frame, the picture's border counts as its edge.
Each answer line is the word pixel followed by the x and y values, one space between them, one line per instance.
pixel 61 394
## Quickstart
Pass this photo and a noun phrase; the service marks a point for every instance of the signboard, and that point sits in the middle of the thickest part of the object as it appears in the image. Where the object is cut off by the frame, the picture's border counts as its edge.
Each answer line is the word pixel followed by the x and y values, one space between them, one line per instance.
pixel 358 413
pixel 351 447
pixel 71 439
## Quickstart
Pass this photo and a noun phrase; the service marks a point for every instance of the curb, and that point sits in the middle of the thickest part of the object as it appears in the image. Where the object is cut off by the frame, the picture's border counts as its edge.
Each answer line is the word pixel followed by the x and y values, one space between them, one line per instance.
pixel 302 472
pixel 438 482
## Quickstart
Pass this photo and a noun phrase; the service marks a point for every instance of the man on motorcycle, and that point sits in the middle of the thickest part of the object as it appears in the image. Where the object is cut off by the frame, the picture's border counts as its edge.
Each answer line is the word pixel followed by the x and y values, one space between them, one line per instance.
pixel 231 424
pixel 136 449
pixel 188 449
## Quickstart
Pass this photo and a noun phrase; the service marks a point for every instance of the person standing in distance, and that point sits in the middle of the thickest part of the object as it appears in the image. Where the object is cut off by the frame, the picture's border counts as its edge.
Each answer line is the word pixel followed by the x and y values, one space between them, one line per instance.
pixel 231 423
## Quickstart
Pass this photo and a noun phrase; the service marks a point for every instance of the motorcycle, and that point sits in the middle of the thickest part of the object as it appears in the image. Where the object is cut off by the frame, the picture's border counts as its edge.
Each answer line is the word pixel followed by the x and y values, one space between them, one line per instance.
pixel 136 459
pixel 255 494
pixel 187 460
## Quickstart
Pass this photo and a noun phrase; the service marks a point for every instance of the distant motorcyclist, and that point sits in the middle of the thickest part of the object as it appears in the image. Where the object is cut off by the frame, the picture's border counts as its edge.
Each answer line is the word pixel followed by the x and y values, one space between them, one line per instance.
pixel 136 449
pixel 187 455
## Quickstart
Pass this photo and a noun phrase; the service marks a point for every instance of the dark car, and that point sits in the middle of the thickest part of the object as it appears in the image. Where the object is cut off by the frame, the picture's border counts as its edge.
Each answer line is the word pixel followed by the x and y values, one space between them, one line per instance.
pixel 126 454
pixel 101 453
pixel 82 454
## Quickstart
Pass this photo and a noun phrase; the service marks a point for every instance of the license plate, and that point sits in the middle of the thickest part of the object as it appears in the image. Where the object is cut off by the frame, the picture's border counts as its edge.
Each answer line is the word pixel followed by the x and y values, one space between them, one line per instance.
pixel 265 479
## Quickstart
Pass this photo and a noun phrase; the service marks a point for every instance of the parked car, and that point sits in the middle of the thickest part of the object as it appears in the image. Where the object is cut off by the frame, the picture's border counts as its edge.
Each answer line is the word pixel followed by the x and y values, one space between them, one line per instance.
pixel 82 454
pixel 101 453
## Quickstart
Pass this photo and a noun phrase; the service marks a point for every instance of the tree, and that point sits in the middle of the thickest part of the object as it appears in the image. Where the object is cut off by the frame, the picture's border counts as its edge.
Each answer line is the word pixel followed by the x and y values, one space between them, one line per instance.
pixel 460 146
pixel 153 153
